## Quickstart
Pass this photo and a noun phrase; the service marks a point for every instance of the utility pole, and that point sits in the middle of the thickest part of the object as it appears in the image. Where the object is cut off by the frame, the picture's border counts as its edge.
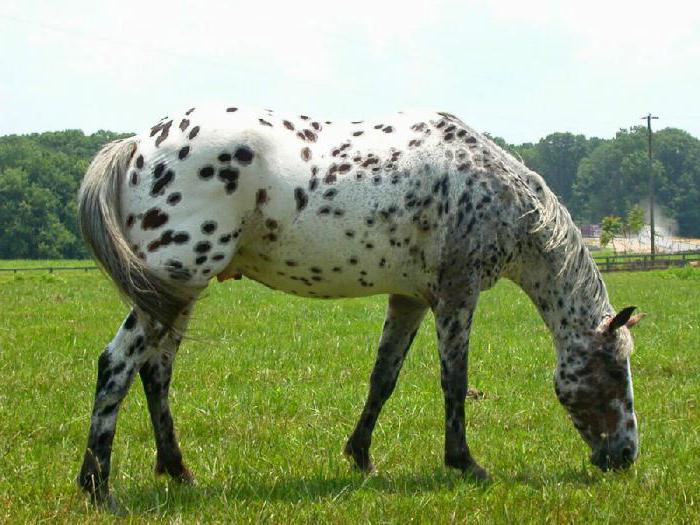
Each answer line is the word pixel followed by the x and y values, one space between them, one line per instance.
pixel 648 118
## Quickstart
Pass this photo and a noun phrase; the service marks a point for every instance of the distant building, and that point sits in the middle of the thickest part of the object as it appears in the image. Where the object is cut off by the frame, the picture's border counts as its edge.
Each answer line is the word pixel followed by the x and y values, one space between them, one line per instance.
pixel 590 230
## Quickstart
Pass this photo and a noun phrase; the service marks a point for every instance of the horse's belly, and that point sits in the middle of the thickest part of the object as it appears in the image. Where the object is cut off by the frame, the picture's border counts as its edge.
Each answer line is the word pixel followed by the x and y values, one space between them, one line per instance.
pixel 329 264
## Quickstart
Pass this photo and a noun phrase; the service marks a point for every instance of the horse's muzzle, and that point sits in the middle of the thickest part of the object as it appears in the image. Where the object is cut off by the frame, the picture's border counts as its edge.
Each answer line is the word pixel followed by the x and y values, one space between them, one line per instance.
pixel 615 458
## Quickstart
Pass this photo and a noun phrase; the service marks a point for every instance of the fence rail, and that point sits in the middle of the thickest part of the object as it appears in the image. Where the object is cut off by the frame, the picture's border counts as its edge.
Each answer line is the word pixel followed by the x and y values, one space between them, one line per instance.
pixel 629 262
pixel 644 261
pixel 50 269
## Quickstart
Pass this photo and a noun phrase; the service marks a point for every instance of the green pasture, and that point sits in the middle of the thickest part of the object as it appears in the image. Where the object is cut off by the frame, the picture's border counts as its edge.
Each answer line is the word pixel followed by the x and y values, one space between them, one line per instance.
pixel 267 389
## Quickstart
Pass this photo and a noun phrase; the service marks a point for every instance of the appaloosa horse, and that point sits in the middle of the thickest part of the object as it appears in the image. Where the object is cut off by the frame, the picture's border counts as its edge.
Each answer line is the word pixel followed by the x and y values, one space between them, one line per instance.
pixel 416 205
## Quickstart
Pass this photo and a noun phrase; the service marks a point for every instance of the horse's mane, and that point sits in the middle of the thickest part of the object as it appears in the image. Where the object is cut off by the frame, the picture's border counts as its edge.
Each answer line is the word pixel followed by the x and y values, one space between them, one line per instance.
pixel 555 233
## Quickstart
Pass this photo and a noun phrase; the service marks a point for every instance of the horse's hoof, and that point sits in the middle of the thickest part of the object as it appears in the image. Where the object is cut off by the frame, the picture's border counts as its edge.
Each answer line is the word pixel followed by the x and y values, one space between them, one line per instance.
pixel 186 477
pixel 470 468
pixel 104 501
pixel 360 458
pixel 96 491
pixel 177 471
pixel 113 506
pixel 477 473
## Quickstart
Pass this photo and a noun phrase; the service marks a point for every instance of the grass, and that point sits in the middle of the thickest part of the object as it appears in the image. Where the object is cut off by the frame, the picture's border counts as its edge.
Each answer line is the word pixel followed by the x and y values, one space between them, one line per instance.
pixel 269 386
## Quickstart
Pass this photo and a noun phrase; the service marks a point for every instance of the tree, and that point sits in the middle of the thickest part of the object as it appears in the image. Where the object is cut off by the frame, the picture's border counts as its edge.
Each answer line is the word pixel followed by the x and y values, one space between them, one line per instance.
pixel 634 221
pixel 30 227
pixel 609 229
pixel 614 177
pixel 529 154
pixel 559 155
pixel 686 203
pixel 679 191
pixel 39 178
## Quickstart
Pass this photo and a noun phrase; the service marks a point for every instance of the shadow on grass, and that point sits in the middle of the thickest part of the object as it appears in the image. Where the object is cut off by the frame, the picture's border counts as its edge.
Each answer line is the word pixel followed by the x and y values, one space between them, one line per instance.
pixel 158 496
pixel 571 476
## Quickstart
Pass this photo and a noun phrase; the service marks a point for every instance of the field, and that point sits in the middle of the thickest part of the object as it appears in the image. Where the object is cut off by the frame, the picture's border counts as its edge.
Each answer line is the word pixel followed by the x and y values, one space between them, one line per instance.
pixel 268 387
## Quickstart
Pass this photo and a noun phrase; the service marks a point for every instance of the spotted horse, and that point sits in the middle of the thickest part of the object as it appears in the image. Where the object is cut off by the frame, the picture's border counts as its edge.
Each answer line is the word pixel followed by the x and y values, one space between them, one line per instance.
pixel 416 205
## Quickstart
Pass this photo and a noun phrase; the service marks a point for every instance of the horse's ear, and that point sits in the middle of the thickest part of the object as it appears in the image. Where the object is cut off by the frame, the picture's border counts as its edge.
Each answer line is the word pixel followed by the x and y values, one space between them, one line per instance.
pixel 635 319
pixel 623 318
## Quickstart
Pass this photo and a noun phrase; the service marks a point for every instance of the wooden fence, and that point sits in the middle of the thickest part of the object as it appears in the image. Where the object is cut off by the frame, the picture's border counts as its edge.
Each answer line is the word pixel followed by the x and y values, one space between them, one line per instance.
pixel 609 263
pixel 644 261
pixel 49 269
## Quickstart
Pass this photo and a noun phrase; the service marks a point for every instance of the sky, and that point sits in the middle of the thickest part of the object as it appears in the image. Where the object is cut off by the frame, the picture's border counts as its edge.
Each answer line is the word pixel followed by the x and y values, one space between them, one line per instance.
pixel 519 70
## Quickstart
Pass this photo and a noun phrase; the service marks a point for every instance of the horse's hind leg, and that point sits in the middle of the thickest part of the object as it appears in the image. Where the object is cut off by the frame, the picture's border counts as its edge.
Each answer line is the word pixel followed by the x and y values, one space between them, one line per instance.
pixel 453 323
pixel 116 368
pixel 403 317
pixel 156 374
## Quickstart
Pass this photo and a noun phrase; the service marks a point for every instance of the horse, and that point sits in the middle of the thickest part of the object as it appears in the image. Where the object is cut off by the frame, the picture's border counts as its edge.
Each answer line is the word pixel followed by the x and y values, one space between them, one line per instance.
pixel 415 205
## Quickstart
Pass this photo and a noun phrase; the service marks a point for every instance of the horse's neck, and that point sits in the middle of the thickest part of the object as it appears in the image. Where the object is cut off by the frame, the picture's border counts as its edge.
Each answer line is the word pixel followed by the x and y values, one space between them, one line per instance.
pixel 564 284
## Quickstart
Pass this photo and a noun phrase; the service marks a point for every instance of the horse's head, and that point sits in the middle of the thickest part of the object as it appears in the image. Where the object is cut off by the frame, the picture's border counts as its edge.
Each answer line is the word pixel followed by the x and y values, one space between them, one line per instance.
pixel 593 381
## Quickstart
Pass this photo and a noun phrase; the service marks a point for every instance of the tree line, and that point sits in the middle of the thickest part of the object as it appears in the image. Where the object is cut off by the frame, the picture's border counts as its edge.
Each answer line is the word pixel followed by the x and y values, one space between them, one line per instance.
pixel 40 174
pixel 597 178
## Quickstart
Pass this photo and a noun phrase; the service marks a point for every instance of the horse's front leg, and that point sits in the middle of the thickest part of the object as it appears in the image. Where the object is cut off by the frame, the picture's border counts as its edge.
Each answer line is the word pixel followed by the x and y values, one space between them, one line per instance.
pixel 453 323
pixel 116 369
pixel 156 374
pixel 403 317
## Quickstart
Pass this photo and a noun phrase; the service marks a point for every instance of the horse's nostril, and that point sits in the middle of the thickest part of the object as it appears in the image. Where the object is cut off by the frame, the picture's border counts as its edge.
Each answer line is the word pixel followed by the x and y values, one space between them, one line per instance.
pixel 627 454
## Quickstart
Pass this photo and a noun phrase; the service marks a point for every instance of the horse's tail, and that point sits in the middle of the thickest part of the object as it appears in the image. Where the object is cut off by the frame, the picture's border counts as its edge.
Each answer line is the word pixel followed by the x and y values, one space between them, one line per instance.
pixel 100 222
